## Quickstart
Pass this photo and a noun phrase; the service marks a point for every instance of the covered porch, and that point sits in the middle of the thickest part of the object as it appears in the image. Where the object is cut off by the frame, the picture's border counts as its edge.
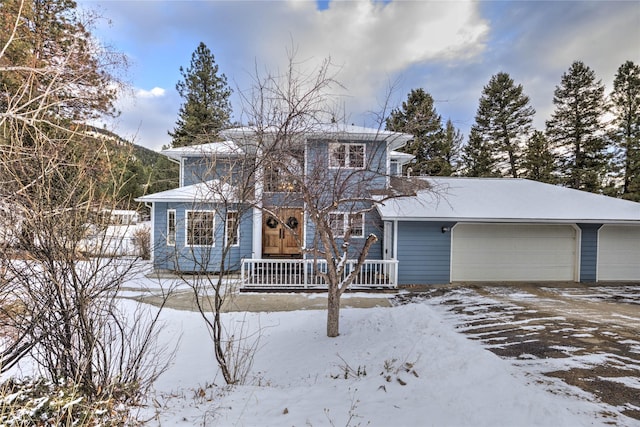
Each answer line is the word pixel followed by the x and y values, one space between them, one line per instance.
pixel 261 274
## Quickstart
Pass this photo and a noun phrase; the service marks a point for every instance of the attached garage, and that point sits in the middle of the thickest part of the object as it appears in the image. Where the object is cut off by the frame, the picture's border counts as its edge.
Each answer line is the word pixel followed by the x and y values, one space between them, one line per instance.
pixel 619 253
pixel 501 229
pixel 513 252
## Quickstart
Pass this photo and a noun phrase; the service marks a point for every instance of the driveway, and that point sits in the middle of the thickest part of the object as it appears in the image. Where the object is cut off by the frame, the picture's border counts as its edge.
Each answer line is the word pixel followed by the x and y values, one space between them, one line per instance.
pixel 586 336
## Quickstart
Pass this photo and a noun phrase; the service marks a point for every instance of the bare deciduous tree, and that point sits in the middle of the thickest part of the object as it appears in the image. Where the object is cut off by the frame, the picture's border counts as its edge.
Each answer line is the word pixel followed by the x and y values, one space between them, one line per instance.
pixel 292 116
pixel 58 188
pixel 204 246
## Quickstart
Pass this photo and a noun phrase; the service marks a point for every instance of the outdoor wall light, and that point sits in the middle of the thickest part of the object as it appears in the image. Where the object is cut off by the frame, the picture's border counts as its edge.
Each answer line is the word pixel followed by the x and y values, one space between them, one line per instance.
pixel 444 229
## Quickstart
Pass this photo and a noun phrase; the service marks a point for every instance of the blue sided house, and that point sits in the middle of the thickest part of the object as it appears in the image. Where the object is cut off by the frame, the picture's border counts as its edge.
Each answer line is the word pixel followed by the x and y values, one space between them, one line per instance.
pixel 234 211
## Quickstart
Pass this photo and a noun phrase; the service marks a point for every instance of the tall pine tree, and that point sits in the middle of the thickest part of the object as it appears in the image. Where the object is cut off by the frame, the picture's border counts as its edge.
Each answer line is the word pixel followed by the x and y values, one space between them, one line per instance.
pixel 576 129
pixel 206 108
pixel 433 147
pixel 452 146
pixel 476 157
pixel 625 103
pixel 48 35
pixel 503 121
pixel 538 162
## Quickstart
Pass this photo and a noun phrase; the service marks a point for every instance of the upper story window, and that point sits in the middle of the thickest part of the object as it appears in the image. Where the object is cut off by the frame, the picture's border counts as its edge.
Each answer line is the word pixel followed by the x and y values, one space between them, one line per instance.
pixel 279 179
pixel 200 228
pixel 282 173
pixel 346 156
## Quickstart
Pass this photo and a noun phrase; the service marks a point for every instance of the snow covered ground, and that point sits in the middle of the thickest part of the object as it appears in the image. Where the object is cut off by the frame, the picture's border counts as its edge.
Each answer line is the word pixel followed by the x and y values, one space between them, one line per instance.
pixel 405 365
pixel 393 366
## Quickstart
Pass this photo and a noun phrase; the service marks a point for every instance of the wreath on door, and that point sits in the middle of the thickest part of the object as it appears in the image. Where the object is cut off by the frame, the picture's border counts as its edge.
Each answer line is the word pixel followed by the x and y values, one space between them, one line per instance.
pixel 272 222
pixel 292 222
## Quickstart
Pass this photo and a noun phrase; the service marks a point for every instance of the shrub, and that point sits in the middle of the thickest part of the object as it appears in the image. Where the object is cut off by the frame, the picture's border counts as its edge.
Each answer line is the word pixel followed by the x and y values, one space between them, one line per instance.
pixel 142 242
pixel 39 402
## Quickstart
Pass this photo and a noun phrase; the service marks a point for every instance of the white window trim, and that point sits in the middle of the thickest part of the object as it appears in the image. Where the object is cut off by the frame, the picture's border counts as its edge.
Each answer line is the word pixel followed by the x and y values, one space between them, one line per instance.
pixel 186 228
pixel 175 227
pixel 346 217
pixel 226 229
pixel 333 231
pixel 361 214
pixel 347 160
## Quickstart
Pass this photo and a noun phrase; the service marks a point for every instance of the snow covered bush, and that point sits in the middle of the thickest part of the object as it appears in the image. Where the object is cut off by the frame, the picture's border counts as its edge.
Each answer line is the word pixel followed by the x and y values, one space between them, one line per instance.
pixel 39 402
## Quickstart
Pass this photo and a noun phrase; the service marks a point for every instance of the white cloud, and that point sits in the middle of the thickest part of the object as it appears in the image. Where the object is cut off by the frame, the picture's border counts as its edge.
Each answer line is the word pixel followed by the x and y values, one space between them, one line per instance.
pixel 373 42
pixel 156 92
pixel 146 116
pixel 451 49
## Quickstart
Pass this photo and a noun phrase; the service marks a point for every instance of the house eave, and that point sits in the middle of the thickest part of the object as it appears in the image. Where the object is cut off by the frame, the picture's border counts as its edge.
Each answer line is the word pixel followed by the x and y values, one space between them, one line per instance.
pixel 394 140
pixel 515 220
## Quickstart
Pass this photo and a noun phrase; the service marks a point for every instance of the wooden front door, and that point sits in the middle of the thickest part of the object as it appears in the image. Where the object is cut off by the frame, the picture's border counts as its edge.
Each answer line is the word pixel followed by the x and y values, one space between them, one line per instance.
pixel 282 235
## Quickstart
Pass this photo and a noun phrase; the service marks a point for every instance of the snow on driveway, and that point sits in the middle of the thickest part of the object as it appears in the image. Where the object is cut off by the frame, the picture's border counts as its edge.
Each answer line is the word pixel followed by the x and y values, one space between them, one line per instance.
pixel 588 337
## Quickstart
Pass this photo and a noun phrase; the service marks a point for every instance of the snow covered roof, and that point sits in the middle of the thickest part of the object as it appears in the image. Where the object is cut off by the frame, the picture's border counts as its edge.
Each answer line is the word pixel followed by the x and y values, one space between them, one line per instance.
pixel 204 192
pixel 402 158
pixel 330 130
pixel 507 200
pixel 224 148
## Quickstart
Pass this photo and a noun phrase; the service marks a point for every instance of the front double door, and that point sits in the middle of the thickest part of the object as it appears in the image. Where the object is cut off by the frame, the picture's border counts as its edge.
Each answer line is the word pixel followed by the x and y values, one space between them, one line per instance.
pixel 282 233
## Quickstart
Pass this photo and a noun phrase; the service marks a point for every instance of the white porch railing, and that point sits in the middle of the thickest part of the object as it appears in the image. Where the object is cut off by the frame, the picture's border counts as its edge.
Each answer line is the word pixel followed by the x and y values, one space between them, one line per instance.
pixel 303 274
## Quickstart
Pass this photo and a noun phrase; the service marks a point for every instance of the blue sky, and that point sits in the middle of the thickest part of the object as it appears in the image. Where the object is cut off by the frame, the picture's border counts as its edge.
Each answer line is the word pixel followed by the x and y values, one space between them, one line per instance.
pixel 450 49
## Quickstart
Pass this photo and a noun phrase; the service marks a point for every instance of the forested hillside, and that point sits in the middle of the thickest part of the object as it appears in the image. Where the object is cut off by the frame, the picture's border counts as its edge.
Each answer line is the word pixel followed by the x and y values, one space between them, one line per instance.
pixel 145 171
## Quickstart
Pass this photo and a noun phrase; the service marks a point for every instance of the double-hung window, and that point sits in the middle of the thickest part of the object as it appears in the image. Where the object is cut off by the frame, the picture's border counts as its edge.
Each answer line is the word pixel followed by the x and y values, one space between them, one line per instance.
pixel 200 228
pixel 232 229
pixel 356 224
pixel 171 227
pixel 346 156
pixel 336 222
pixel 342 222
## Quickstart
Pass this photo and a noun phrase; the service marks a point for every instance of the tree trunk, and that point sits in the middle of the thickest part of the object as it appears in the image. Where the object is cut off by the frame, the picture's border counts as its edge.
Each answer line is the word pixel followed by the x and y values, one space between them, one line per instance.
pixel 333 311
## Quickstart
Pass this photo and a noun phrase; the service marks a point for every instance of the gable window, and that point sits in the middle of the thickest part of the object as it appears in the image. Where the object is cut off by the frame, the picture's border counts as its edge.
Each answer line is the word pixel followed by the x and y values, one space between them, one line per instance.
pixel 342 222
pixel 232 230
pixel 200 228
pixel 347 156
pixel 171 227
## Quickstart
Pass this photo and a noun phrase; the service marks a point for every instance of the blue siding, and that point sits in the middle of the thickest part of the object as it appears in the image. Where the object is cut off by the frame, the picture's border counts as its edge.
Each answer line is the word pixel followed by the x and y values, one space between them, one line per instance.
pixel 424 252
pixel 198 170
pixel 348 179
pixel 195 259
pixel 589 252
pixel 373 225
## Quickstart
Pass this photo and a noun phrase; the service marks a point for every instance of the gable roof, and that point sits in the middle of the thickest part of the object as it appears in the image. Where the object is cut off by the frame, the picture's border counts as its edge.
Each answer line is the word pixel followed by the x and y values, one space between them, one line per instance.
pixel 223 148
pixel 507 200
pixel 203 192
pixel 343 131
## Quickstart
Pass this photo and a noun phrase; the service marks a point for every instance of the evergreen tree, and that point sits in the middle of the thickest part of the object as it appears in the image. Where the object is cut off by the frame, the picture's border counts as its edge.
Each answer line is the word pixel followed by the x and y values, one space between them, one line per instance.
pixel 48 33
pixel 418 117
pixel 576 130
pixel 165 175
pixel 538 161
pixel 503 121
pixel 452 146
pixel 625 100
pixel 53 77
pixel 476 157
pixel 206 108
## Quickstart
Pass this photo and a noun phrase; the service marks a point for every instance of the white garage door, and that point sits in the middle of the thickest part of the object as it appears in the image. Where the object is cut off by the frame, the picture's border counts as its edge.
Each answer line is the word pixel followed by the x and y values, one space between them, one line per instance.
pixel 504 252
pixel 619 253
